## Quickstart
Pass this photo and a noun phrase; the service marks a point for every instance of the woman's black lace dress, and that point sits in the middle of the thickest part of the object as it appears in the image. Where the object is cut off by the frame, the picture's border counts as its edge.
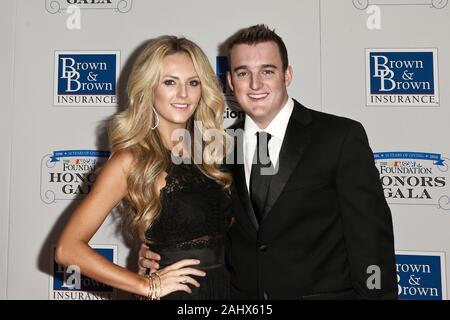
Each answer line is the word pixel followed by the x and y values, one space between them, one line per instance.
pixel 195 215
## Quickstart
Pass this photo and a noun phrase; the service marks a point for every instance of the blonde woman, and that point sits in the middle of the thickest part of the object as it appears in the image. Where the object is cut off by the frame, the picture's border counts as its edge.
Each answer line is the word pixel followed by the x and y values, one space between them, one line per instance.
pixel 182 210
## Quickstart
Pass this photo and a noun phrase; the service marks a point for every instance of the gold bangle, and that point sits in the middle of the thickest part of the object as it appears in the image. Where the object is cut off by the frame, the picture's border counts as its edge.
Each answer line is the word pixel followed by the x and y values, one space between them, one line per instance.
pixel 150 292
pixel 158 296
pixel 154 288
pixel 160 286
pixel 151 288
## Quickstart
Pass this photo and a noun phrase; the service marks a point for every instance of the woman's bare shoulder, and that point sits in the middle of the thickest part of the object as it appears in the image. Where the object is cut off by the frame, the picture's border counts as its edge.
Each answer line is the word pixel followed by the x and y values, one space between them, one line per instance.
pixel 122 159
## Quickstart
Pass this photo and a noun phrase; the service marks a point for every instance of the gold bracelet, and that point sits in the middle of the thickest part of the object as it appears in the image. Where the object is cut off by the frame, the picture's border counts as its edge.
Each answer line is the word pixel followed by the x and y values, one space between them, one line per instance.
pixel 154 288
pixel 150 292
pixel 158 296
pixel 151 288
pixel 160 287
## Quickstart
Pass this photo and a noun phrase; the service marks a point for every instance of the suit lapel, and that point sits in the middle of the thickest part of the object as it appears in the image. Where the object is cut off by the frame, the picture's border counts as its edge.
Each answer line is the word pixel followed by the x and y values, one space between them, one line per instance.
pixel 296 139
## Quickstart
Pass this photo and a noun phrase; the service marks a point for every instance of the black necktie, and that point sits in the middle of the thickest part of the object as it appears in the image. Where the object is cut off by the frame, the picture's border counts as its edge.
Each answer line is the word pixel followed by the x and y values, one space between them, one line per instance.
pixel 259 177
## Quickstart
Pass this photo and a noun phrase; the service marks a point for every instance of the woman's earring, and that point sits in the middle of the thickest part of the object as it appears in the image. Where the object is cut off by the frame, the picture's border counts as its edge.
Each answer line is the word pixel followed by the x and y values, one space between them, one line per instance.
pixel 157 119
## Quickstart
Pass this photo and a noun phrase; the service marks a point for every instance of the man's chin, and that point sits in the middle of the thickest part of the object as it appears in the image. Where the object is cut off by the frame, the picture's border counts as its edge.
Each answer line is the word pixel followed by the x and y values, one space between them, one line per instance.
pixel 258 112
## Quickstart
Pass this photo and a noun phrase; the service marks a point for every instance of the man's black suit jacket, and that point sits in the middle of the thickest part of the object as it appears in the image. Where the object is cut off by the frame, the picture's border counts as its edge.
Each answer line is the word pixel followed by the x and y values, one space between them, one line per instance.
pixel 325 224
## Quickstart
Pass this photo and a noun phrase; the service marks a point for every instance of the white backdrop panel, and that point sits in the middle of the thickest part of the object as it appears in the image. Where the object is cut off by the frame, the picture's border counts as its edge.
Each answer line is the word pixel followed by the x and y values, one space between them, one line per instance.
pixel 41 128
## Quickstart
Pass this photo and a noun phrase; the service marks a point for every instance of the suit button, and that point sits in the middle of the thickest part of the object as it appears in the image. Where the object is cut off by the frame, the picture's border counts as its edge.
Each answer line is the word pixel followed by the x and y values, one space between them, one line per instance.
pixel 263 248
pixel 266 296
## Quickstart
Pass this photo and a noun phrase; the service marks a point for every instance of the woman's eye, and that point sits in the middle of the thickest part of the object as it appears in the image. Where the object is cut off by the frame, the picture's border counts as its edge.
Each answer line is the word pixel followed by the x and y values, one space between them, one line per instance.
pixel 169 82
pixel 194 83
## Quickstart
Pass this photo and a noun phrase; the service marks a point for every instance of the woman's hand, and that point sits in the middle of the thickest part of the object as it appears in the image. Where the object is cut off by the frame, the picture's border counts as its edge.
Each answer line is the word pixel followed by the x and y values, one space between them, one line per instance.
pixel 177 276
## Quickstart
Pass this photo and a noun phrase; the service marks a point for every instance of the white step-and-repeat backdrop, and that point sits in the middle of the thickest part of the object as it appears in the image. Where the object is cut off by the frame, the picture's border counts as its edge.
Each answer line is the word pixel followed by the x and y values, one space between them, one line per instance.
pixel 383 63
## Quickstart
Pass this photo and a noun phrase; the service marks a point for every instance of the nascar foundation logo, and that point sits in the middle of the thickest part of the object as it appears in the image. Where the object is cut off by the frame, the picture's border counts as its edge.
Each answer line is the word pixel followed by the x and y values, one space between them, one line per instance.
pixel 402 77
pixel 69 174
pixel 417 178
pixel 86 78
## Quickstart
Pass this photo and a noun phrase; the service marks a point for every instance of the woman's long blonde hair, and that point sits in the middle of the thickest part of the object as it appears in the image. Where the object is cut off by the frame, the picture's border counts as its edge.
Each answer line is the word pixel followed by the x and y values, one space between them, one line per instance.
pixel 132 129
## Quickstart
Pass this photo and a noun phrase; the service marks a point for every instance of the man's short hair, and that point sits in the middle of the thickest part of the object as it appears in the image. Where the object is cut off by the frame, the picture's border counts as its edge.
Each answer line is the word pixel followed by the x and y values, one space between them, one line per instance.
pixel 257 34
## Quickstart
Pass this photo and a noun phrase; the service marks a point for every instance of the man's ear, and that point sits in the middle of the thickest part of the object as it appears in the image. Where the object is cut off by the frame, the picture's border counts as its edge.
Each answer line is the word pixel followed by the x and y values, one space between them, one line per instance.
pixel 288 76
pixel 230 83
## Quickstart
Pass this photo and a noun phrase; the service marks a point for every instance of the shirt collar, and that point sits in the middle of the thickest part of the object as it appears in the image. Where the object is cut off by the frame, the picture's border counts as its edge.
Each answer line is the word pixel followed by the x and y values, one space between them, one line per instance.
pixel 277 127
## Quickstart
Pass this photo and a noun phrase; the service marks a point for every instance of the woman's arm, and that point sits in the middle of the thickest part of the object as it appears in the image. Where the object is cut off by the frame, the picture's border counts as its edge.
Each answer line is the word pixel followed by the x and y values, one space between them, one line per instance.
pixel 73 249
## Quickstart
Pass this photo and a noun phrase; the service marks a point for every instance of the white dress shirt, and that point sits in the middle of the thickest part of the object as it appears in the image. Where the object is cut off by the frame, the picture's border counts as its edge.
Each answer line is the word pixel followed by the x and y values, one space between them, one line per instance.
pixel 277 129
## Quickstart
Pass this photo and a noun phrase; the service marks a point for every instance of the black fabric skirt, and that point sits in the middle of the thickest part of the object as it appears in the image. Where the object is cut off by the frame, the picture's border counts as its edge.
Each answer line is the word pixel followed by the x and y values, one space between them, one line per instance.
pixel 214 286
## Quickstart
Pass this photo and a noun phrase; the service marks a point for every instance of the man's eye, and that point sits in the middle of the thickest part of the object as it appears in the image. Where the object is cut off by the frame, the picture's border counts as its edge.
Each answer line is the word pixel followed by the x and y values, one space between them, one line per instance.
pixel 194 83
pixel 242 74
pixel 169 82
pixel 268 72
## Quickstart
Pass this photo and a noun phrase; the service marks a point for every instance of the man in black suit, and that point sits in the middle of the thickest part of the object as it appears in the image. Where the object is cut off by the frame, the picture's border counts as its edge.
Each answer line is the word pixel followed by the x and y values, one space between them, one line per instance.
pixel 318 225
